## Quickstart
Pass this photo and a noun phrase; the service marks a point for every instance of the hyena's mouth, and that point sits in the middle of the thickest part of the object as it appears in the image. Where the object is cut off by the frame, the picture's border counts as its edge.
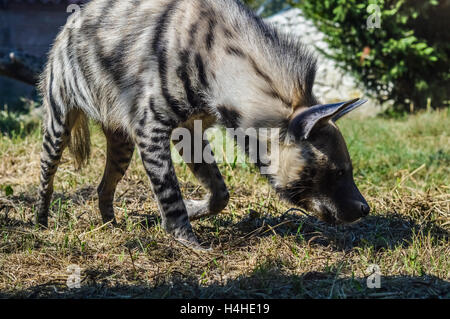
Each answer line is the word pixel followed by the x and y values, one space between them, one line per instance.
pixel 327 216
pixel 331 218
pixel 320 210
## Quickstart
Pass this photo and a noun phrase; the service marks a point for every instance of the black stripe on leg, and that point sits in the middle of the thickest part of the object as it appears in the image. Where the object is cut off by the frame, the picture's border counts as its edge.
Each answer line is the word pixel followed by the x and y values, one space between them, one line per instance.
pixel 176 213
pixel 51 141
pixel 172 198
pixel 161 131
pixel 140 133
pixel 157 139
pixel 54 157
pixel 47 166
pixel 148 160
pixel 143 120
pixel 154 148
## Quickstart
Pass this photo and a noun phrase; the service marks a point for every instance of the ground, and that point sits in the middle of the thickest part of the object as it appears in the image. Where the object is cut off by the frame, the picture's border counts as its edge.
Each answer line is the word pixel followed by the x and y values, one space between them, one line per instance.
pixel 261 249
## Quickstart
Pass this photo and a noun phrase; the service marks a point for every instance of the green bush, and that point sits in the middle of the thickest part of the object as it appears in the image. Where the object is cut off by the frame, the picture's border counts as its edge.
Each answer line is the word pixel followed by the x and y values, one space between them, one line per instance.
pixel 406 59
pixel 19 123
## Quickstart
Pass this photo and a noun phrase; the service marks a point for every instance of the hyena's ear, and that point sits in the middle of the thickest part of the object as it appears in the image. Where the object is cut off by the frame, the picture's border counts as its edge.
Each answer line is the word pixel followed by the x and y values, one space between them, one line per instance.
pixel 349 108
pixel 304 121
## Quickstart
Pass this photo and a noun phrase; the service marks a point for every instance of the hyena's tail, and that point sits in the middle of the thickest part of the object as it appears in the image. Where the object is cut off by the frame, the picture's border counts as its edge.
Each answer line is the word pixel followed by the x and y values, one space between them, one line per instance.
pixel 80 139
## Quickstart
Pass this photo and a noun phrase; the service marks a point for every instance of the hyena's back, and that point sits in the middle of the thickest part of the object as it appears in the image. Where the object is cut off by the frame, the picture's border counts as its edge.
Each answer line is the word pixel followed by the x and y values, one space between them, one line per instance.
pixel 116 56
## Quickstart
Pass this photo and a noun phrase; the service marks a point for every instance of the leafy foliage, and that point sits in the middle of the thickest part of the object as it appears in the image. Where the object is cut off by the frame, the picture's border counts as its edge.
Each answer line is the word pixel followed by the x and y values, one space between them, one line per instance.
pixel 19 123
pixel 406 59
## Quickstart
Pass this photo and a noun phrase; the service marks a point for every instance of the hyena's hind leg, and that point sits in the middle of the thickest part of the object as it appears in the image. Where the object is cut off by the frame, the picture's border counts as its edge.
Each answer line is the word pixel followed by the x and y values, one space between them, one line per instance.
pixel 119 154
pixel 208 174
pixel 57 129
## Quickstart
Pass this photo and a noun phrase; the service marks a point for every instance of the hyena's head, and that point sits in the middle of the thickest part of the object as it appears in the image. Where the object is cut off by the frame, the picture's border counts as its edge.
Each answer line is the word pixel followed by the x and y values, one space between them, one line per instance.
pixel 315 169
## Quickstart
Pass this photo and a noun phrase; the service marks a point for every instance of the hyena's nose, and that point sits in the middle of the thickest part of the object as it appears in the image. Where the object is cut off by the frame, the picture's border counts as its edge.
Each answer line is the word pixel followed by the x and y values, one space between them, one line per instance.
pixel 365 209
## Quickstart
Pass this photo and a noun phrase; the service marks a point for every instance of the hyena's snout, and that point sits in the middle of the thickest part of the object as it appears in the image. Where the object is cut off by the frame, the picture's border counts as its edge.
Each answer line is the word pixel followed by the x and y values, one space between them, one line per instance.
pixel 343 204
pixel 351 206
pixel 356 209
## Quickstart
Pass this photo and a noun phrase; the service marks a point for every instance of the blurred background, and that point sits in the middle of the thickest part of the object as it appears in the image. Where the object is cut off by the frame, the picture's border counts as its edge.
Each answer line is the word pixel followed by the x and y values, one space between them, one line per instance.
pixel 394 52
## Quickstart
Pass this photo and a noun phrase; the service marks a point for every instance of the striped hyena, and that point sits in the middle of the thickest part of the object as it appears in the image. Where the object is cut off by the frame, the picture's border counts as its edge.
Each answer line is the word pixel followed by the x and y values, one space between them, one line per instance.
pixel 142 68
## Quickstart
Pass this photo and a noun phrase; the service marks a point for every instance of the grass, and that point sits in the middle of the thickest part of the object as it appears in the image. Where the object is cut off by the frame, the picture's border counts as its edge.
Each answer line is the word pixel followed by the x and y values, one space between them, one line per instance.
pixel 261 249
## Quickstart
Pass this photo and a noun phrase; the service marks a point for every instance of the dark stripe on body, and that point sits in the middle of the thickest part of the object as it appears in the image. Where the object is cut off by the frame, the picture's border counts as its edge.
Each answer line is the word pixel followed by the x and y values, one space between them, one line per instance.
pixel 193 32
pixel 229 118
pixel 115 64
pixel 161 118
pixel 228 34
pixel 70 54
pixel 232 50
pixel 267 31
pixel 210 35
pixel 201 71
pixel 191 93
pixel 55 111
pixel 272 92
pixel 160 51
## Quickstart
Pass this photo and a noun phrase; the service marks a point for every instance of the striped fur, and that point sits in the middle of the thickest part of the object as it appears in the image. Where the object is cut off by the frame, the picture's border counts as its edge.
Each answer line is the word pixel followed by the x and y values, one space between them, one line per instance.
pixel 141 68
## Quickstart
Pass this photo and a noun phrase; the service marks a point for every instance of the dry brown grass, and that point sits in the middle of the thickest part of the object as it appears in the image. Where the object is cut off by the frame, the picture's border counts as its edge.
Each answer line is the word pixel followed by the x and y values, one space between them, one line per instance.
pixel 261 249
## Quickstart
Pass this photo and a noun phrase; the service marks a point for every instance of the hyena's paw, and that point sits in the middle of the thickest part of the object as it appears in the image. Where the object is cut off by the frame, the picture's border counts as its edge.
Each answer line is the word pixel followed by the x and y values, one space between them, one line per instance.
pixel 197 208
pixel 187 237
pixel 107 212
pixel 210 206
pixel 42 221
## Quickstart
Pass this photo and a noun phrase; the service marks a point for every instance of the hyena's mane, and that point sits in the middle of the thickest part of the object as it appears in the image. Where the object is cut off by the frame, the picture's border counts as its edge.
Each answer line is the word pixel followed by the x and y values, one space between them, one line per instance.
pixel 262 74
pixel 288 64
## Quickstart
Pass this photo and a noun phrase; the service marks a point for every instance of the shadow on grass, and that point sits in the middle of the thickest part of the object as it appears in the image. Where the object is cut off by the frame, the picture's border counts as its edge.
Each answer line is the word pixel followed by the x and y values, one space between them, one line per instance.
pixel 267 283
pixel 29 200
pixel 267 280
pixel 376 231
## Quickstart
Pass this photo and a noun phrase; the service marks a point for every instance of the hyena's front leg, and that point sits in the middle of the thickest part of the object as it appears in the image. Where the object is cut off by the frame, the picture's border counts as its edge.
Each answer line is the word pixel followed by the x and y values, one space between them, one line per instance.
pixel 119 153
pixel 208 174
pixel 154 148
